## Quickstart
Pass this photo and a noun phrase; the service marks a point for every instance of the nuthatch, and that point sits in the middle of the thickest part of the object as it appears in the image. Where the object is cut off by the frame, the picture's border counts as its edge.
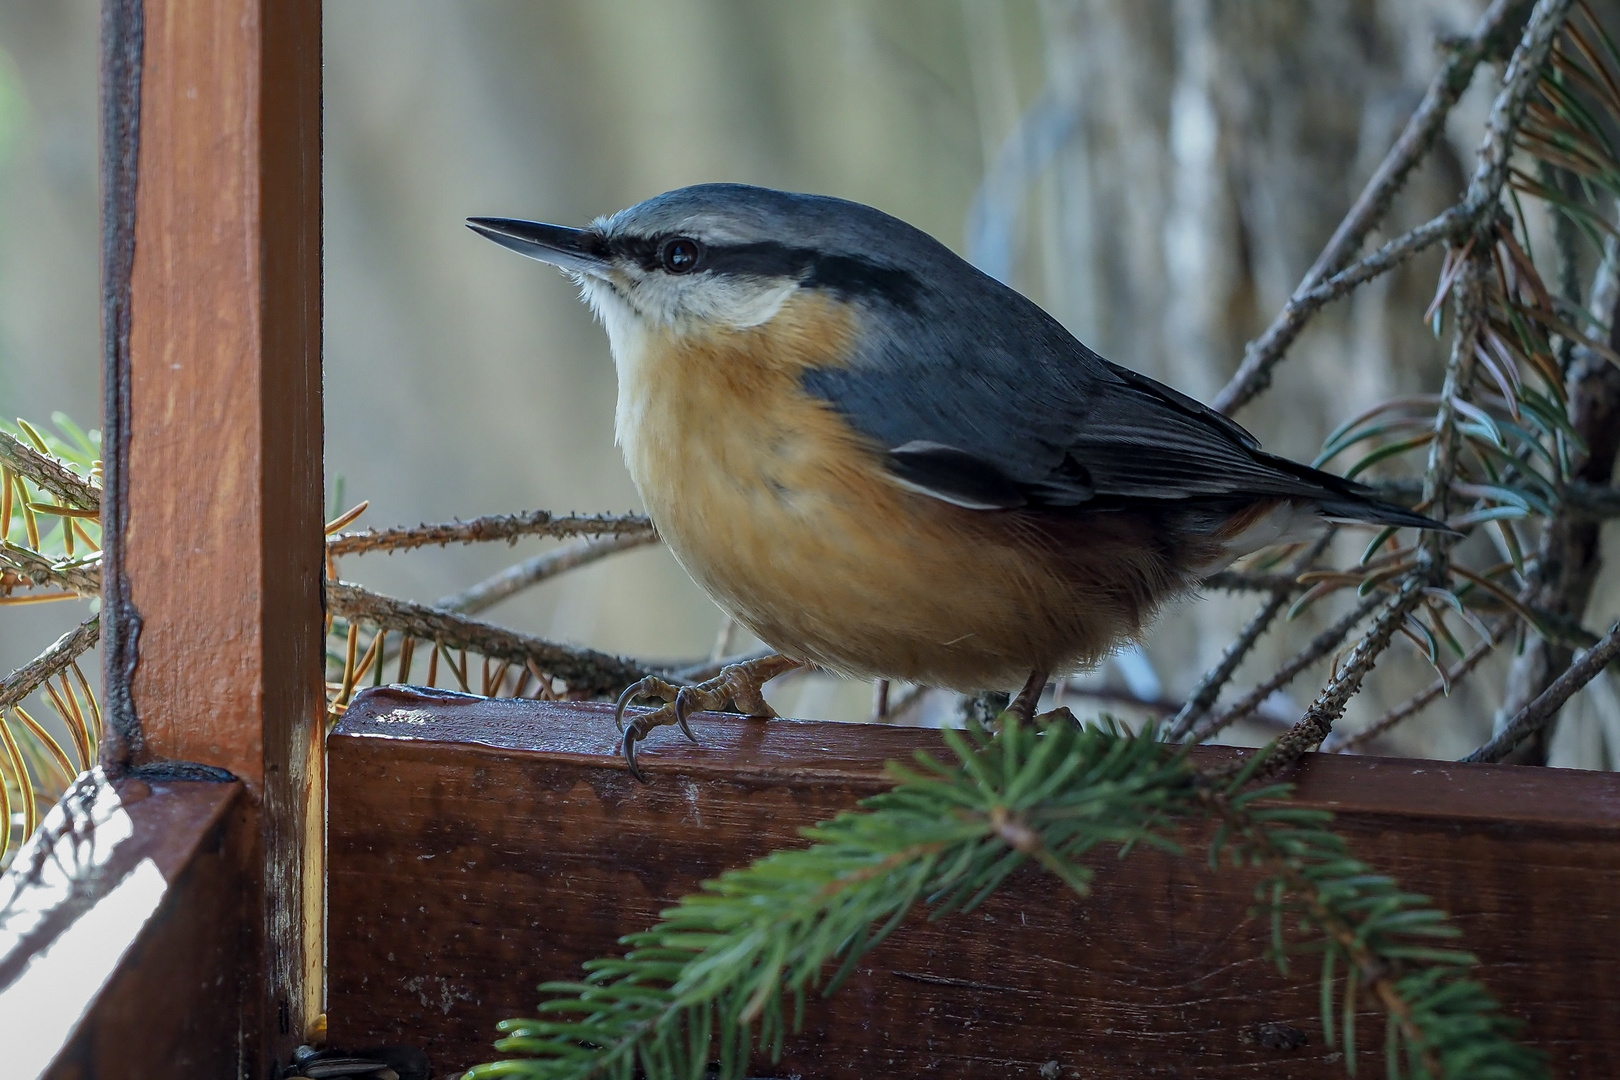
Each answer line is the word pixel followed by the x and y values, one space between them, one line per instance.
pixel 887 464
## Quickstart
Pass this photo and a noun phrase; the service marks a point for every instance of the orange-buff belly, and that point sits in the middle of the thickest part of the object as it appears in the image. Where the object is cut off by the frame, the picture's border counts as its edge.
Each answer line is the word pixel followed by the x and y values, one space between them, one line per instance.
pixel 785 516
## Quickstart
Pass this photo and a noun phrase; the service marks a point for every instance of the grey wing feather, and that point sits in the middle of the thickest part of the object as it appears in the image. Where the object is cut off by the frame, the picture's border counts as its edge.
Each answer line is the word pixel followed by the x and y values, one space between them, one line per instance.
pixel 991 403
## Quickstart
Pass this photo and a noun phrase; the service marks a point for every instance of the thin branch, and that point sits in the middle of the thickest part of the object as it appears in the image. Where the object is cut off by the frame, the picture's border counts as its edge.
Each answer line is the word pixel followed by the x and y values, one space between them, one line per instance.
pixel 1507 111
pixel 80 576
pixel 1468 296
pixel 1209 687
pixel 1165 706
pixel 1416 139
pixel 514 579
pixel 50 473
pixel 1540 712
pixel 1318 647
pixel 1329 705
pixel 16 687
pixel 508 527
pixel 1252 581
pixel 1422 130
pixel 1417 702
pixel 582 669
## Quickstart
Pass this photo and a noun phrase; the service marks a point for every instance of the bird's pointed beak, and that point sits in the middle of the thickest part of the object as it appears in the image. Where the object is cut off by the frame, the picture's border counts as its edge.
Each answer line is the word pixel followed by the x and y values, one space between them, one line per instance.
pixel 575 250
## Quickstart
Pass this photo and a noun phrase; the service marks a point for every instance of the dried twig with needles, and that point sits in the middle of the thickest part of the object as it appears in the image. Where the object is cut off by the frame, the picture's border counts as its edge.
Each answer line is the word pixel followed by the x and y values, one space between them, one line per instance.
pixel 1540 712
pixel 584 670
pixel 49 473
pixel 508 527
pixel 1324 281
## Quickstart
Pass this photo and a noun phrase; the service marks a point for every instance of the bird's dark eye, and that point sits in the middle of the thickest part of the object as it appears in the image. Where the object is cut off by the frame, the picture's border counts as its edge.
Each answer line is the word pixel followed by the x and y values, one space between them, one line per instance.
pixel 681 255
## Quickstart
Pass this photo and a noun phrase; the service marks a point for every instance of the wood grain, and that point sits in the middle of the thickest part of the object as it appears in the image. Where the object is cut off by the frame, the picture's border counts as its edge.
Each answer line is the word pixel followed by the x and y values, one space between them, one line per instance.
pixel 479 847
pixel 219 543
pixel 151 878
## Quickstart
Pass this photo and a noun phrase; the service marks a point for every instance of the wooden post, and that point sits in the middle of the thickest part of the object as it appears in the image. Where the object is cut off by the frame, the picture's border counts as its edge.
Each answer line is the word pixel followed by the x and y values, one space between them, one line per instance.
pixel 214 392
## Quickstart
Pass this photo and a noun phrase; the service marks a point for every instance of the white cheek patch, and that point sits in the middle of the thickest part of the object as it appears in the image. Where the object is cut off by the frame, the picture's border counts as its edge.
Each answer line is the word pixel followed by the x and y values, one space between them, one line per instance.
pixel 709 301
pixel 737 302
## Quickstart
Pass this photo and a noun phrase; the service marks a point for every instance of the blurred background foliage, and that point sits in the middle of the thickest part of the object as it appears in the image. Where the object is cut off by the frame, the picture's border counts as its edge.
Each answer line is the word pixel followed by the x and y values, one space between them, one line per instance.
pixel 1158 173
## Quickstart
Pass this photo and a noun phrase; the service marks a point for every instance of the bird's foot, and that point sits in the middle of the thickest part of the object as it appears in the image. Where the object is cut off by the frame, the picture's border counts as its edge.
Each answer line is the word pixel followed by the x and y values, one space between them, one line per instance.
pixel 1023 706
pixel 739 686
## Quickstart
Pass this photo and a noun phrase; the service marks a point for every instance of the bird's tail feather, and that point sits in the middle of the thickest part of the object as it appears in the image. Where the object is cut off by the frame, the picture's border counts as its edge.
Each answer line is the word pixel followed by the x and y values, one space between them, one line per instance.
pixel 1373 511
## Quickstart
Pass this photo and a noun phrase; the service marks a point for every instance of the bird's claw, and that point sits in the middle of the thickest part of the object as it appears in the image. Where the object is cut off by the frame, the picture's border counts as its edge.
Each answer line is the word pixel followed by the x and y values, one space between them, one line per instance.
pixel 737 686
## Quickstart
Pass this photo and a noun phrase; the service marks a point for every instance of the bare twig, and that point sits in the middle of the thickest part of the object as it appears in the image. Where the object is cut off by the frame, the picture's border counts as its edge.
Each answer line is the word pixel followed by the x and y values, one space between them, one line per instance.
pixel 1209 687
pixel 1252 581
pixel 1329 705
pixel 79 576
pixel 508 527
pixel 1319 646
pixel 51 474
pixel 59 657
pixel 907 703
pixel 1165 706
pixel 1536 715
pixel 514 579
pixel 1507 111
pixel 1417 702
pixel 1468 296
pixel 582 669
pixel 1421 132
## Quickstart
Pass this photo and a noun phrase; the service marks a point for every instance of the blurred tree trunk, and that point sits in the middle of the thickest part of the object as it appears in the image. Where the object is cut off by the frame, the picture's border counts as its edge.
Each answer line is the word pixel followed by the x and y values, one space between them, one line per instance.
pixel 1211 148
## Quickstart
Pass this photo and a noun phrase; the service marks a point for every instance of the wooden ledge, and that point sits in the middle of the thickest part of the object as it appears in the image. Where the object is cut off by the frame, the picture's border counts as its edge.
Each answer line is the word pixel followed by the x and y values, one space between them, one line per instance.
pixel 733 748
pixel 477 848
pixel 121 920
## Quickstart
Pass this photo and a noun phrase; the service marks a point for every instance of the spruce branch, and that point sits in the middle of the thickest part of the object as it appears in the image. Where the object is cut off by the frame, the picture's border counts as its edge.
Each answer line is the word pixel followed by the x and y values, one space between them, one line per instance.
pixel 1315 649
pixel 584 670
pixel 49 472
pixel 723 966
pixel 514 579
pixel 1560 580
pixel 1417 702
pixel 1540 712
pixel 1578 500
pixel 1309 731
pixel 1252 581
pixel 1374 938
pixel 508 527
pixel 81 576
pixel 1209 687
pixel 16 687
pixel 726 974
pixel 1327 280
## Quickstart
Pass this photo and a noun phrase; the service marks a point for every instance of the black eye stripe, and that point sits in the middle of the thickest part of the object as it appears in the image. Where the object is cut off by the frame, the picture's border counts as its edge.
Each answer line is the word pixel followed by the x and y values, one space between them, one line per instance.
pixel 848 276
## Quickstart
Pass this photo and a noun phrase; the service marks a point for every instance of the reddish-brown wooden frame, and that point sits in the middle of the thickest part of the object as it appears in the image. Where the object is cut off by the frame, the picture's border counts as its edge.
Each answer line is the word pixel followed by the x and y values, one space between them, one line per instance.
pixel 219 456
pixel 212 575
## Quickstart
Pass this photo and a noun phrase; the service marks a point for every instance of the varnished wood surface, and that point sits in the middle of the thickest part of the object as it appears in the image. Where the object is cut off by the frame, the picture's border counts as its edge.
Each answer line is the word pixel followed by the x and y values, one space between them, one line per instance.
pixel 126 915
pixel 218 542
pixel 478 848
